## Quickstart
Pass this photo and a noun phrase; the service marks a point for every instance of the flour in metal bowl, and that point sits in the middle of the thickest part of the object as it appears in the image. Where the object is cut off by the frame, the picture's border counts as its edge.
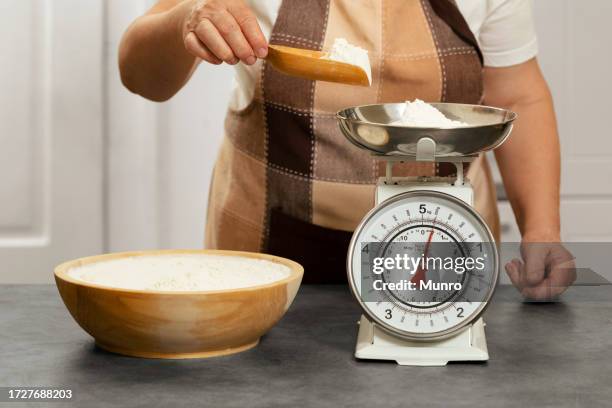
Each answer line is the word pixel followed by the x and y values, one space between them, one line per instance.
pixel 422 114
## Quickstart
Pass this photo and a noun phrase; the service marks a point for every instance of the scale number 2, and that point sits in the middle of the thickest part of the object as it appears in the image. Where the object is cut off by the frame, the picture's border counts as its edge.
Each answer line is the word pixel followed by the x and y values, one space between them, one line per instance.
pixel 459 312
pixel 388 314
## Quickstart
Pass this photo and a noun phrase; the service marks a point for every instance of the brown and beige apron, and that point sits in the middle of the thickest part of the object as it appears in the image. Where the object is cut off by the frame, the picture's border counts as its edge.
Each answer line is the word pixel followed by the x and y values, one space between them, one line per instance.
pixel 286 181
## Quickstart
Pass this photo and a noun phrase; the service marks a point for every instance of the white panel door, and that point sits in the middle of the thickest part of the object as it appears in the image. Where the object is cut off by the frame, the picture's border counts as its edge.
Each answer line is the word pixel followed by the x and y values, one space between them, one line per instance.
pixel 160 156
pixel 51 135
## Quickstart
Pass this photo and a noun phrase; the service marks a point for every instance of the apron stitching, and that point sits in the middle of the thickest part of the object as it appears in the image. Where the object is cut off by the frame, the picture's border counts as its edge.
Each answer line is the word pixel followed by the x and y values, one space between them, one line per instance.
pixel 289 172
pixel 382 59
pixel 299 40
pixel 294 38
pixel 223 209
pixel 293 173
pixel 435 38
pixel 454 48
pixel 266 224
pixel 312 150
pixel 302 177
pixel 251 154
pixel 424 57
pixel 312 122
pixel 419 53
pixel 428 53
pixel 298 111
pixel 297 43
pixel 374 165
pixel 288 109
pixel 436 166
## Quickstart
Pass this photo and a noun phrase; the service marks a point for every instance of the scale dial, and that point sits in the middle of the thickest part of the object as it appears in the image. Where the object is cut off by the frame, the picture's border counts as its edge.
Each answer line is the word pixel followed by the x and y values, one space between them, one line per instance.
pixel 423 225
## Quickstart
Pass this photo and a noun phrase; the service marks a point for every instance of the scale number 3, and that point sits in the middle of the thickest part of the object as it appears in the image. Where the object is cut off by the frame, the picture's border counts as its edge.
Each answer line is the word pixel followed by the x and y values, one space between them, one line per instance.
pixel 388 314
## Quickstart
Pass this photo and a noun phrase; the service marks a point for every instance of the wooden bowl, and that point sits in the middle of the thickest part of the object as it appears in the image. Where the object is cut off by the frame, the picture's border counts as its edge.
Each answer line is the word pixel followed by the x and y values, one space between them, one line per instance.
pixel 165 324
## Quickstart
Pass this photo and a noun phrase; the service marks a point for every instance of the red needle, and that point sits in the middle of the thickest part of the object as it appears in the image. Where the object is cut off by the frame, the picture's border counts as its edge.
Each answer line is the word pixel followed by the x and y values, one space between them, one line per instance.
pixel 419 276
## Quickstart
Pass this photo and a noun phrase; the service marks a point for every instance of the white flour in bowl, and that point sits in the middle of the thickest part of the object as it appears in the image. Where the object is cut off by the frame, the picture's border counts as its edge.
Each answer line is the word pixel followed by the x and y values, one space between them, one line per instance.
pixel 188 272
pixel 343 51
pixel 422 114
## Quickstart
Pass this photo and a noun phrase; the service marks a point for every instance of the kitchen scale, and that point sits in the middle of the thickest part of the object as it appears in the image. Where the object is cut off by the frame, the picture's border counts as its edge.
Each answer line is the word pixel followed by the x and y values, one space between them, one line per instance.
pixel 423 218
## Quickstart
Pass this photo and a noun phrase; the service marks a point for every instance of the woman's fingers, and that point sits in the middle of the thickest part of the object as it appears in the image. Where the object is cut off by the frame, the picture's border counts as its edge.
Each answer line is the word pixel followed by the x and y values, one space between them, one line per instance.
pixel 227 29
pixel 558 264
pixel 534 255
pixel 512 269
pixel 250 28
pixel 230 30
pixel 208 34
pixel 199 50
pixel 562 270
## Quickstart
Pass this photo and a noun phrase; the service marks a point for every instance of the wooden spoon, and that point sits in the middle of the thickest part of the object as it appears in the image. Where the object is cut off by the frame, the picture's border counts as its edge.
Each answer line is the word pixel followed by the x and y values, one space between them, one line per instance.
pixel 308 64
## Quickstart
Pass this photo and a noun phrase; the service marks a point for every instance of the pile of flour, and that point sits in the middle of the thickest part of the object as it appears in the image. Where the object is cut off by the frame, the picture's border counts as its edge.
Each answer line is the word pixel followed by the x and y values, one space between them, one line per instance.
pixel 422 114
pixel 188 272
pixel 343 51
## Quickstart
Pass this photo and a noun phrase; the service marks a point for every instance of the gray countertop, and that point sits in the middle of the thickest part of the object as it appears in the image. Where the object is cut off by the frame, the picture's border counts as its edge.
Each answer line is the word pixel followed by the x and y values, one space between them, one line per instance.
pixel 557 355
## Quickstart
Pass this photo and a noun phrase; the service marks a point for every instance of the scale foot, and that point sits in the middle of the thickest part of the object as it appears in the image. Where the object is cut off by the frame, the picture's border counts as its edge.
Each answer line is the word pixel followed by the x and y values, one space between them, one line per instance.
pixel 468 345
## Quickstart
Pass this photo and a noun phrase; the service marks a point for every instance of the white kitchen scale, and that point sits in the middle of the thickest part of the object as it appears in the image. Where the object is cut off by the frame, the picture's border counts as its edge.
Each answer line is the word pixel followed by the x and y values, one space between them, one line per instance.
pixel 426 218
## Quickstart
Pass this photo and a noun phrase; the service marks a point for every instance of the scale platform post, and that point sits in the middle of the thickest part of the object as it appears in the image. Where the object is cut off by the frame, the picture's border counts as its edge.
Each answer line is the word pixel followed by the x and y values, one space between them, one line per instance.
pixel 373 343
pixel 467 345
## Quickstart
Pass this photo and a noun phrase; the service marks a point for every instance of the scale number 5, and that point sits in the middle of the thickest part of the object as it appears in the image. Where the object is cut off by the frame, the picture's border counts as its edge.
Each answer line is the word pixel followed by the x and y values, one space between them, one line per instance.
pixel 422 209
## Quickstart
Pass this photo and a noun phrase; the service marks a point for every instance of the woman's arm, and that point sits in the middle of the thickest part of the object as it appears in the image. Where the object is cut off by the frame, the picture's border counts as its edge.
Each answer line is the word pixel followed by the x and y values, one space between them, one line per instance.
pixel 530 160
pixel 161 49
pixel 530 166
pixel 152 58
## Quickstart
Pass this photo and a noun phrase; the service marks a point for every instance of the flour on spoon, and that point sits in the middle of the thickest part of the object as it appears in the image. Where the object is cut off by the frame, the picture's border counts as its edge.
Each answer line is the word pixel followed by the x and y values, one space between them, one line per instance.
pixel 343 51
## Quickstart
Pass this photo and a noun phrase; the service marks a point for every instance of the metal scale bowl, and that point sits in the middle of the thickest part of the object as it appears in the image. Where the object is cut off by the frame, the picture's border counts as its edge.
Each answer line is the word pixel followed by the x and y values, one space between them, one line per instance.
pixel 413 210
pixel 368 127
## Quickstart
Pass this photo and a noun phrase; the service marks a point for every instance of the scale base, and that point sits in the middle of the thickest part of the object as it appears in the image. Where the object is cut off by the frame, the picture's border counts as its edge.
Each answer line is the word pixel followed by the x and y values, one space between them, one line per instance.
pixel 375 344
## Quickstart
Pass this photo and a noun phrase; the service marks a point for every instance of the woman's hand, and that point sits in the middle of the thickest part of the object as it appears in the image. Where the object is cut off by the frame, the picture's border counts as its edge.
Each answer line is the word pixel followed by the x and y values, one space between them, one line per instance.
pixel 161 49
pixel 530 165
pixel 223 31
pixel 546 270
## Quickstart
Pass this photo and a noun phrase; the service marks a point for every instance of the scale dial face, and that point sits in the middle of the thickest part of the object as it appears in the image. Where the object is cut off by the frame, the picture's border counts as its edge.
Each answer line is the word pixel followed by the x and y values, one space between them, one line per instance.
pixel 423 226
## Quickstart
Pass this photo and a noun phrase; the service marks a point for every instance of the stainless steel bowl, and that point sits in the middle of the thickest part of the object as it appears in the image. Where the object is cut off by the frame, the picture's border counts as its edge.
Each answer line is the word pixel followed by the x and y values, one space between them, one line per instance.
pixel 369 127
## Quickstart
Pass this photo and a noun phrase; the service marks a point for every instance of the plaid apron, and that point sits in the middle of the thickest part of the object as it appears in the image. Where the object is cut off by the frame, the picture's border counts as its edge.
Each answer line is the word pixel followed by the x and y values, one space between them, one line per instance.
pixel 286 182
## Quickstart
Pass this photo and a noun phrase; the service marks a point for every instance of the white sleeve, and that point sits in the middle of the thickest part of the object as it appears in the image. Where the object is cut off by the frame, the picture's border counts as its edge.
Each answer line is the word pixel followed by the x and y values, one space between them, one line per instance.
pixel 508 35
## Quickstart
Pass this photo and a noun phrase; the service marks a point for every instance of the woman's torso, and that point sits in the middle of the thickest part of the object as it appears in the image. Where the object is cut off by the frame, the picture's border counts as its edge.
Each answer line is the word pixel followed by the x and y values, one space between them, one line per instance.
pixel 286 181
